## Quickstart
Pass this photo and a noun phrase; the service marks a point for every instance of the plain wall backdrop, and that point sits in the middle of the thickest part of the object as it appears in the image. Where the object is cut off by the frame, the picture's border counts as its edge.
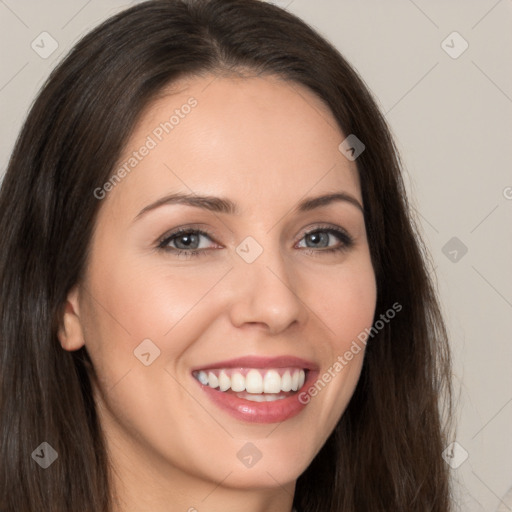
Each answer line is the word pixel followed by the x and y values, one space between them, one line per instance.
pixel 448 100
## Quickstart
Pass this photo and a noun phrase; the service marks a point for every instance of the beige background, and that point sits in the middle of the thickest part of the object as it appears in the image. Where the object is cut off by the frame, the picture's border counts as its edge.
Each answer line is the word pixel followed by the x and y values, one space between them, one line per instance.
pixel 452 119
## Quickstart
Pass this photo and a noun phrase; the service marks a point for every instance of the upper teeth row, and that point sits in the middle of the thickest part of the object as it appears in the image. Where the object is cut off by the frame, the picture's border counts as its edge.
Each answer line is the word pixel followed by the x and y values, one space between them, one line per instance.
pixel 254 381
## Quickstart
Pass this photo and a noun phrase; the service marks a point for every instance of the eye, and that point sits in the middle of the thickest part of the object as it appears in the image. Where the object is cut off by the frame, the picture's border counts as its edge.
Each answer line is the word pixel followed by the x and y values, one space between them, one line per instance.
pixel 320 238
pixel 187 242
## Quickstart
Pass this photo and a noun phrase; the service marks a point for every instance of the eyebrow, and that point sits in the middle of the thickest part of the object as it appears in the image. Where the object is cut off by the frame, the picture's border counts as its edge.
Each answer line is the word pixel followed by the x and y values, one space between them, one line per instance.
pixel 224 205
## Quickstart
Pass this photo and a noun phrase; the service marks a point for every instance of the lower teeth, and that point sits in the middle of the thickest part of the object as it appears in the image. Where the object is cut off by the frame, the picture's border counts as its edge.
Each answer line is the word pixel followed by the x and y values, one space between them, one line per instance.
pixel 264 397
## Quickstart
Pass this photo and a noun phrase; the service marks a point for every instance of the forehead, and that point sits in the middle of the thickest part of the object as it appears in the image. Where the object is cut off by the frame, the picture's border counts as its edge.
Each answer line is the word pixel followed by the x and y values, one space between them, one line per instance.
pixel 255 139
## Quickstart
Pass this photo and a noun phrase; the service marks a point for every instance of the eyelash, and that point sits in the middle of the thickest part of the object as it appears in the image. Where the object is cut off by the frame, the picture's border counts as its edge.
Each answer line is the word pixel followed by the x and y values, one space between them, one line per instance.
pixel 346 241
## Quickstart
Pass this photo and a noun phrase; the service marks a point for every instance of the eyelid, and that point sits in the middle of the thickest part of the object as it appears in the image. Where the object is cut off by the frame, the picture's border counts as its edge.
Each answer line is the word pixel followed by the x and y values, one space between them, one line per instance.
pixel 186 229
pixel 317 226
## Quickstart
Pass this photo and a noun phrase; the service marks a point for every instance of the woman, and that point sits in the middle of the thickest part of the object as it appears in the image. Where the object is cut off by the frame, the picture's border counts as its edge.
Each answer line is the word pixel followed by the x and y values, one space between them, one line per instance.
pixel 301 362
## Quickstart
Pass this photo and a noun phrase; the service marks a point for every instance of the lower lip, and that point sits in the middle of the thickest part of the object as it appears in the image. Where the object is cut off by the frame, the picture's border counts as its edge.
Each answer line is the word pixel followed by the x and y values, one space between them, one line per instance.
pixel 276 411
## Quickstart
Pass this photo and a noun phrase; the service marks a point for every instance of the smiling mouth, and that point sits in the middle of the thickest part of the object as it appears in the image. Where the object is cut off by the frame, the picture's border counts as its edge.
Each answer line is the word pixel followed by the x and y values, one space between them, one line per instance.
pixel 254 384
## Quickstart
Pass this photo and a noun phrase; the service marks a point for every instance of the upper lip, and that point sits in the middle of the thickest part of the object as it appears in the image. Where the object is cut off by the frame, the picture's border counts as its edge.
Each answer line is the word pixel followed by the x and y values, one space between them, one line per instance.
pixel 261 362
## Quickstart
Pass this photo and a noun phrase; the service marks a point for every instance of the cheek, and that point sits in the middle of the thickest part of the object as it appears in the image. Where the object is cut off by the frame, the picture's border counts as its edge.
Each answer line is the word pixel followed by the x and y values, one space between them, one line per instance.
pixel 344 298
pixel 130 302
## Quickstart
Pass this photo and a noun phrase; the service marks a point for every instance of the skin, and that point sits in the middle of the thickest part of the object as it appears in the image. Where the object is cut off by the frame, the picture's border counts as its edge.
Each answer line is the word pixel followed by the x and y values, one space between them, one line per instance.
pixel 266 144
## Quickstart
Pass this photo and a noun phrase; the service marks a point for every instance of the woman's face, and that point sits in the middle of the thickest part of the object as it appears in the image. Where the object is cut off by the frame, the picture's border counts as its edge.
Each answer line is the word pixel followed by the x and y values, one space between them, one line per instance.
pixel 247 301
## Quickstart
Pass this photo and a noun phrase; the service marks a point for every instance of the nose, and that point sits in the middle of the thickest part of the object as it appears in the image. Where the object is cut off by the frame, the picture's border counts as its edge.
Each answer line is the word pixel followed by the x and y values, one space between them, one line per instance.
pixel 266 293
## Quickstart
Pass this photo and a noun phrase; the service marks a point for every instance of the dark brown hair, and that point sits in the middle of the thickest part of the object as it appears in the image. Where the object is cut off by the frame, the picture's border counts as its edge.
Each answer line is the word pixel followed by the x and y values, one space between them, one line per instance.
pixel 385 452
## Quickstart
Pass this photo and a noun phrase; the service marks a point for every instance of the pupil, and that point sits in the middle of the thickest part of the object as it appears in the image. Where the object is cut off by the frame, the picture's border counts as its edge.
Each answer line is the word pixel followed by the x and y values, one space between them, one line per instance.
pixel 187 240
pixel 316 237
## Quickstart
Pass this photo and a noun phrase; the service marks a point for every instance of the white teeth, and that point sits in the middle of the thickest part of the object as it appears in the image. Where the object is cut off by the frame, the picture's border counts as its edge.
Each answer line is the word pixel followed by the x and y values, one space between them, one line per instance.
pixel 272 382
pixel 255 381
pixel 263 398
pixel 256 398
pixel 237 382
pixel 302 378
pixel 213 381
pixel 295 381
pixel 224 381
pixel 286 381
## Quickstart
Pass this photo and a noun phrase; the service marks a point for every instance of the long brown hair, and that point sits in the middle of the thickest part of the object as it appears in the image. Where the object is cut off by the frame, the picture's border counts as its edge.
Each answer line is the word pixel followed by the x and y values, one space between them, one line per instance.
pixel 385 452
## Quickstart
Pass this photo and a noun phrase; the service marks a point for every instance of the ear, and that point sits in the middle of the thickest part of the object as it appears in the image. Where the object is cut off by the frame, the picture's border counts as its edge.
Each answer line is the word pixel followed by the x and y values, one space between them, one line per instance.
pixel 70 331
